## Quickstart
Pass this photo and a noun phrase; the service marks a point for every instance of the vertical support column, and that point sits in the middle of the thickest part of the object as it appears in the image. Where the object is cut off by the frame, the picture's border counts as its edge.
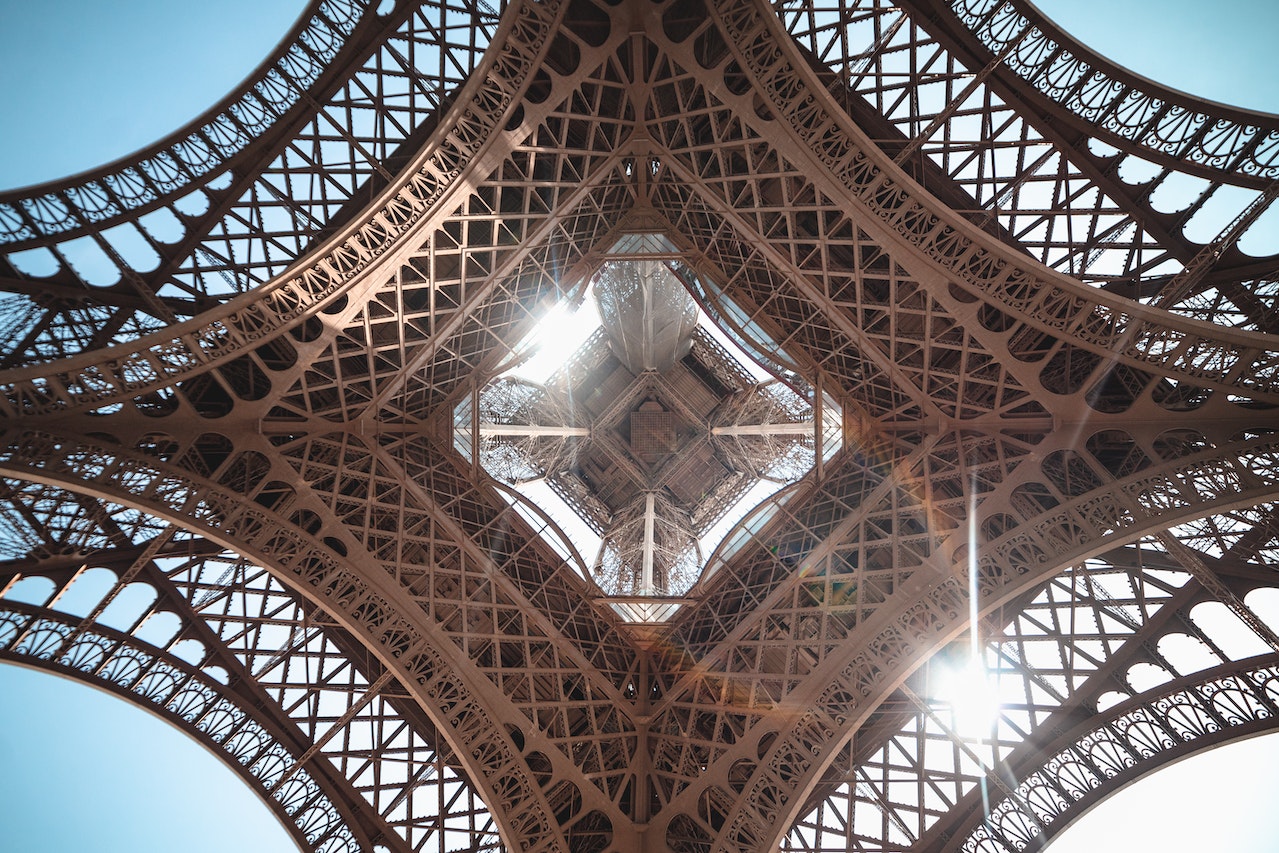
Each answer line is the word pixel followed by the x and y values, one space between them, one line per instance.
pixel 650 532
pixel 475 428
pixel 819 418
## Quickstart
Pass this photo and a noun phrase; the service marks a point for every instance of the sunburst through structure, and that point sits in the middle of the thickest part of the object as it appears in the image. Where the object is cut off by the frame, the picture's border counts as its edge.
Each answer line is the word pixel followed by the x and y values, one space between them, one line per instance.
pixel 650 433
pixel 907 389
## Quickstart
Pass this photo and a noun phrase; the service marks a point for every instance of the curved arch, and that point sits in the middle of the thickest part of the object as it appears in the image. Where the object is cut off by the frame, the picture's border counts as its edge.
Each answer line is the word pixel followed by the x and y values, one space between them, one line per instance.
pixel 560 542
pixel 1237 474
pixel 435 574
pixel 1039 298
pixel 236 623
pixel 1107 228
pixel 348 259
pixel 737 535
pixel 366 603
pixel 1046 677
pixel 1137 737
pixel 209 712
pixel 214 141
pixel 1223 143
pixel 848 688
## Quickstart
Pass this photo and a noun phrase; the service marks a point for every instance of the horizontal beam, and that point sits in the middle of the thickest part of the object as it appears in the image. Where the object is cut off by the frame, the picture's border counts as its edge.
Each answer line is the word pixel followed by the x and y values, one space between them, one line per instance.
pixel 533 430
pixel 802 428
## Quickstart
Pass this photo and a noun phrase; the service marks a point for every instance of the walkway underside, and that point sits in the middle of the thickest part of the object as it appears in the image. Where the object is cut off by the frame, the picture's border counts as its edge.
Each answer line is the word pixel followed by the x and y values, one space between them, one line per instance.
pixel 1055 468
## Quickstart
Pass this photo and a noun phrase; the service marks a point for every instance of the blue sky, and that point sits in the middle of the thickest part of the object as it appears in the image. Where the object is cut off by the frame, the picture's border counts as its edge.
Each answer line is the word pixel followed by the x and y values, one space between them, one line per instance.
pixel 1223 50
pixel 86 82
pixel 84 770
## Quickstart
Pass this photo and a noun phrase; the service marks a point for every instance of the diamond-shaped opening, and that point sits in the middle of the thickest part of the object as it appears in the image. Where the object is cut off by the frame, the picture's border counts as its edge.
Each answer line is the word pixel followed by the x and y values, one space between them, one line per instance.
pixel 642 430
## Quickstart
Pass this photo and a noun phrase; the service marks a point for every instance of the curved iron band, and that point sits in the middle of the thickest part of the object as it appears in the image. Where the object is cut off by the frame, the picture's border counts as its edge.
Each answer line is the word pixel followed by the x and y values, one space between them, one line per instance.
pixel 1146 338
pixel 283 87
pixel 932 612
pixel 315 809
pixel 1094 760
pixel 345 261
pixel 362 599
pixel 1060 76
pixel 1241 473
pixel 933 32
pixel 1149 339
pixel 1065 713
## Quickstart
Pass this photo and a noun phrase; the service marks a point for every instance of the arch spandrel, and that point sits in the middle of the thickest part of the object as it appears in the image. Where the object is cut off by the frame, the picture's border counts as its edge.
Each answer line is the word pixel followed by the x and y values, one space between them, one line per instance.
pixel 343 261
pixel 1220 141
pixel 198 707
pixel 218 647
pixel 1055 691
pixel 973 381
pixel 963 256
pixel 1155 604
pixel 220 227
pixel 986 63
pixel 139 182
pixel 796 722
pixel 1236 701
pixel 365 601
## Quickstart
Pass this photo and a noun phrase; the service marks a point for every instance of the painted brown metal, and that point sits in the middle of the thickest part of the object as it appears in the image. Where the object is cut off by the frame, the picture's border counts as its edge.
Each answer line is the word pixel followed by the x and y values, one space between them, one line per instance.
pixel 1036 410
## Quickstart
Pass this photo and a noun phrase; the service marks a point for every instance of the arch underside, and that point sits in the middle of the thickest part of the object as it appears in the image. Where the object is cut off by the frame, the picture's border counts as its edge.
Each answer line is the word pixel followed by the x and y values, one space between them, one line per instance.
pixel 218 647
pixel 1055 396
pixel 1130 635
pixel 1223 705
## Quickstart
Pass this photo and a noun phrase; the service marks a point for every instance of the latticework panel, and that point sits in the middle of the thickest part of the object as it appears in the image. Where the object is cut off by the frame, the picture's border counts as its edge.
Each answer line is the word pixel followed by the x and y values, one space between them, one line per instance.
pixel 1029 135
pixel 227 653
pixel 234 200
pixel 1097 662
pixel 926 220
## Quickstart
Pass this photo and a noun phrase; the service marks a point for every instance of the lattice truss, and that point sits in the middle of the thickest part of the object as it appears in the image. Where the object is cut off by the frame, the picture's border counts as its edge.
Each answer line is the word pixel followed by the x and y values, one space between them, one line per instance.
pixel 1038 287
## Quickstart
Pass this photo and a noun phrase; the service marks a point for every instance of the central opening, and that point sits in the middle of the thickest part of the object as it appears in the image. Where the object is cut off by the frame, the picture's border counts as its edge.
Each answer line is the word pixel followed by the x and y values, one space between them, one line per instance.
pixel 642 430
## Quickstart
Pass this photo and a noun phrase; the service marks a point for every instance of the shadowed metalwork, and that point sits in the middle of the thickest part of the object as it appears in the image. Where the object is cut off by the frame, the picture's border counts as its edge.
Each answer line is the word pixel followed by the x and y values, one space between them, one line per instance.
pixel 991 405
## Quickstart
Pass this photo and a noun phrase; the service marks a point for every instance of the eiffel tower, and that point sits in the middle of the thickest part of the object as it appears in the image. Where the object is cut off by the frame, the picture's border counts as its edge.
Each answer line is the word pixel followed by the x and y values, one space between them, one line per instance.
pixel 898 388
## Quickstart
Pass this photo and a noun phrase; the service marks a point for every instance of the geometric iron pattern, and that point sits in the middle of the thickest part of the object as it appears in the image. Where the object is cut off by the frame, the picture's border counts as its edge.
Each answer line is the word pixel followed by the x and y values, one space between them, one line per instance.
pixel 230 373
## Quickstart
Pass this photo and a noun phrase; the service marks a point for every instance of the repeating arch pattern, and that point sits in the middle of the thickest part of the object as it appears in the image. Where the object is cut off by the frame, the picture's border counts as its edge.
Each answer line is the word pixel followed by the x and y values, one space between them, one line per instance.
pixel 1127 217
pixel 171 167
pixel 168 252
pixel 941 254
pixel 222 649
pixel 191 700
pixel 320 570
pixel 1219 707
pixel 1235 144
pixel 1050 676
pixel 1056 305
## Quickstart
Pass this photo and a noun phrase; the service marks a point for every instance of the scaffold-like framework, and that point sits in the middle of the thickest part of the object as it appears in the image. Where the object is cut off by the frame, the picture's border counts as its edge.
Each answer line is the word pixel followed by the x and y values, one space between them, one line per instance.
pixel 1024 306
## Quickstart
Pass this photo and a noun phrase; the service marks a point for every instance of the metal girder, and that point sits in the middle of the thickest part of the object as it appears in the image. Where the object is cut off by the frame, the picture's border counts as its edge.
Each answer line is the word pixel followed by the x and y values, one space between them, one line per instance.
pixel 1096 758
pixel 223 651
pixel 930 262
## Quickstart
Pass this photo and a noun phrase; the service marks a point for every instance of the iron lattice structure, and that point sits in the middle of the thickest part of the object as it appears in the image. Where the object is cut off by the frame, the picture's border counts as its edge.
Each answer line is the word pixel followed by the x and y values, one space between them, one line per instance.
pixel 231 366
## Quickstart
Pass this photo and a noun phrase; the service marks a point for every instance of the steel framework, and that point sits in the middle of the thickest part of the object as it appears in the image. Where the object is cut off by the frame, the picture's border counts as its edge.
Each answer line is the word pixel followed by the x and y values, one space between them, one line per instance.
pixel 231 367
